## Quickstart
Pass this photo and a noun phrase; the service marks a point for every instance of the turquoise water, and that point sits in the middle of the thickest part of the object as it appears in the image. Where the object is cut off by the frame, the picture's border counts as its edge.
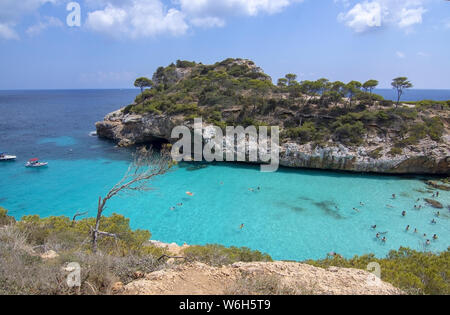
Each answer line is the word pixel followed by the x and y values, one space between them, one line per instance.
pixel 296 215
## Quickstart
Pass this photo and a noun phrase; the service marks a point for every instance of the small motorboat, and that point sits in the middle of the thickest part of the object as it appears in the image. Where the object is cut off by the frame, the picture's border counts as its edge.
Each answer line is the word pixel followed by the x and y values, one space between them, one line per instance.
pixel 5 157
pixel 35 163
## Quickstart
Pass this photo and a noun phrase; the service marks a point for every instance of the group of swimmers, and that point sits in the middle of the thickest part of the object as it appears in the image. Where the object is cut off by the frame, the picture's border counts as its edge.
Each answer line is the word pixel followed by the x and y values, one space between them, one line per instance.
pixel 404 213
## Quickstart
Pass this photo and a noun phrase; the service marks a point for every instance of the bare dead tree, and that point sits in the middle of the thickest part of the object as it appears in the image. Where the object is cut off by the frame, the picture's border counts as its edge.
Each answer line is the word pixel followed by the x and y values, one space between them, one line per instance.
pixel 146 166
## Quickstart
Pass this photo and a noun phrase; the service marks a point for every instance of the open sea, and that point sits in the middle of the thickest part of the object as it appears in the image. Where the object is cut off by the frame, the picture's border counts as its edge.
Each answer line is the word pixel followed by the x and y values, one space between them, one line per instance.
pixel 297 214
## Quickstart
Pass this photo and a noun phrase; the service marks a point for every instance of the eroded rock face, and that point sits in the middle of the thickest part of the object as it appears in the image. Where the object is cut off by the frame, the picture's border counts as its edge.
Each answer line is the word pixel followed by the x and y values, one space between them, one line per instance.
pixel 296 278
pixel 428 157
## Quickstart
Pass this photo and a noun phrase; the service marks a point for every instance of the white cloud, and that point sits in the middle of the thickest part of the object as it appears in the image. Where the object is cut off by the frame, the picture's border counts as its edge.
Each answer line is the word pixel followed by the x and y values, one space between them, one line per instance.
pixel 367 15
pixel 7 32
pixel 447 24
pixel 146 18
pixel 222 8
pixel 137 18
pixel 47 22
pixel 423 54
pixel 400 54
pixel 215 12
pixel 363 16
pixel 409 17
pixel 12 11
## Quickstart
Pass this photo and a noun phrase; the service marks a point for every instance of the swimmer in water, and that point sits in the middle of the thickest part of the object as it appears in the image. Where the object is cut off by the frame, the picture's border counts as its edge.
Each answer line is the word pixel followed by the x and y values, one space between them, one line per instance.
pixel 180 204
pixel 361 203
pixel 242 226
pixel 438 214
pixel 394 196
pixel 378 235
pixel 428 242
pixel 404 214
pixel 384 239
pixel 435 237
pixel 433 221
pixel 437 194
pixel 374 227
pixel 415 231
pixel 172 208
pixel 356 209
pixel 407 228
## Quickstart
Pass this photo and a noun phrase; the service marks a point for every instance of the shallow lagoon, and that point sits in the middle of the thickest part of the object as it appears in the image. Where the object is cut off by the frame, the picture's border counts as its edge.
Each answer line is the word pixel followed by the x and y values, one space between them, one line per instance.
pixel 297 214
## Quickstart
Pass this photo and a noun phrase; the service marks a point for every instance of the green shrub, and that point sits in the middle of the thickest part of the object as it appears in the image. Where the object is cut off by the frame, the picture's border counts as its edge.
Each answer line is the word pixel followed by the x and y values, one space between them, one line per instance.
pixel 435 128
pixel 376 154
pixel 218 255
pixel 395 151
pixel 412 271
pixel 5 219
pixel 303 134
pixel 69 235
pixel 349 133
pixel 183 109
pixel 386 103
pixel 185 64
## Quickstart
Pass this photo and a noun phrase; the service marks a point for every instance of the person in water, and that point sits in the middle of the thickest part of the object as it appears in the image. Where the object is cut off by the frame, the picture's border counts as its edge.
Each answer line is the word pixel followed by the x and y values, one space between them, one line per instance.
pixel 378 235
pixel 428 242
pixel 394 196
pixel 180 204
pixel 384 239
pixel 407 228
pixel 404 214
pixel 438 214
pixel 435 237
pixel 242 226
pixel 433 221
pixel 374 227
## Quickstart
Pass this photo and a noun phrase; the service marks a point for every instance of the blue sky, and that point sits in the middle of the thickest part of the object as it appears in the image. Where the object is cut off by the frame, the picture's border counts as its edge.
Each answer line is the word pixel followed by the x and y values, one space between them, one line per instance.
pixel 120 40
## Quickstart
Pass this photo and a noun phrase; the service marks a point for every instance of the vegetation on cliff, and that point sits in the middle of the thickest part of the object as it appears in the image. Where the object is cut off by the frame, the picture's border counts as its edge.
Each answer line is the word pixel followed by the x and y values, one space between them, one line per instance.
pixel 237 92
pixel 25 268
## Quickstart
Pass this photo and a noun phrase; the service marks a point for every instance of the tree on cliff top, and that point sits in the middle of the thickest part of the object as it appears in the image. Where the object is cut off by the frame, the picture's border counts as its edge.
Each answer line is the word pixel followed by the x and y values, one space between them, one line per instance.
pixel 401 84
pixel 369 86
pixel 142 83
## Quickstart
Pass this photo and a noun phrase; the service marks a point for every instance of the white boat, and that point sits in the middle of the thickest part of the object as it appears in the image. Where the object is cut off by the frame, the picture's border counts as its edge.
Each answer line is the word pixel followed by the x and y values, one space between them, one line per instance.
pixel 5 157
pixel 36 163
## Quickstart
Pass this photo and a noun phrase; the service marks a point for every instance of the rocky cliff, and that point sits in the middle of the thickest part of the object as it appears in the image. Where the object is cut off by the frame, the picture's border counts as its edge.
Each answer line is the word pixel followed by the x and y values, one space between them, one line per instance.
pixel 428 157
pixel 365 136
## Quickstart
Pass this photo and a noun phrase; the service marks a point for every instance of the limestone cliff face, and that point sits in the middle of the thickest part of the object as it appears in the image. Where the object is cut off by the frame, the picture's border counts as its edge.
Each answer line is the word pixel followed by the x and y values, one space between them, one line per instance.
pixel 428 157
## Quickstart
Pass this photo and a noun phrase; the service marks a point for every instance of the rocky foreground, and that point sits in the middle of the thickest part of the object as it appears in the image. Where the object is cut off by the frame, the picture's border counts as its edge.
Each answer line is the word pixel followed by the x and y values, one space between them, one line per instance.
pixel 248 278
pixel 254 278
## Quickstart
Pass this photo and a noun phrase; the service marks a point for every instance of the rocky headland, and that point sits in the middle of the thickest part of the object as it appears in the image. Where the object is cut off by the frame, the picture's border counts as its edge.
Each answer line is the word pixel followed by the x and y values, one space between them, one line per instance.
pixel 363 134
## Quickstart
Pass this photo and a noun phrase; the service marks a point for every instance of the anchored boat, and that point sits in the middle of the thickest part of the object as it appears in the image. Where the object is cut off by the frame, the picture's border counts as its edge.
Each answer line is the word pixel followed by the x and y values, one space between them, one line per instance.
pixel 35 163
pixel 5 157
